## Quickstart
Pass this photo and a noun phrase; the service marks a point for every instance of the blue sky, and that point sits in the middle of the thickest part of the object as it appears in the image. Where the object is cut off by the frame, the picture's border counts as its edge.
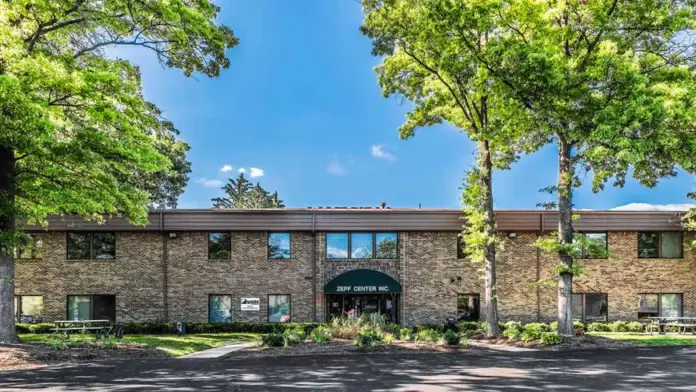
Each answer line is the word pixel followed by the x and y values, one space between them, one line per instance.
pixel 301 103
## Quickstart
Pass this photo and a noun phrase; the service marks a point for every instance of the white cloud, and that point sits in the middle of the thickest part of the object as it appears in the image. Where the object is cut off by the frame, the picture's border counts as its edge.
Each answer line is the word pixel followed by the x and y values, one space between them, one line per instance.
pixel 336 168
pixel 255 172
pixel 226 168
pixel 241 170
pixel 337 253
pixel 654 207
pixel 209 183
pixel 379 152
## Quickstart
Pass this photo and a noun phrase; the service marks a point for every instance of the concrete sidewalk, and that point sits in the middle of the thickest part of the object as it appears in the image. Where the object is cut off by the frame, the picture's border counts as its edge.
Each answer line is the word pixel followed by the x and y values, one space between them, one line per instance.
pixel 218 352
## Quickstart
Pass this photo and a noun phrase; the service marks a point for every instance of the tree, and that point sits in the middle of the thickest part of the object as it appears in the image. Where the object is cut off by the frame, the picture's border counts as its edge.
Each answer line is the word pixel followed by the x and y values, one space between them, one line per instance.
pixel 240 193
pixel 76 134
pixel 612 81
pixel 427 64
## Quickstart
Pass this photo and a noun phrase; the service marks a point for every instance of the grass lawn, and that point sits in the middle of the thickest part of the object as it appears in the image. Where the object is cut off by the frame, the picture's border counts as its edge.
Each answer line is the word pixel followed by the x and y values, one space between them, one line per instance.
pixel 650 340
pixel 173 345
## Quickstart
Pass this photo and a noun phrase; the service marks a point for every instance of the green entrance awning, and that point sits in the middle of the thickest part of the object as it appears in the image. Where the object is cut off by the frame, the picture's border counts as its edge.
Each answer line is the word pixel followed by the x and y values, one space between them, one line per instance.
pixel 362 281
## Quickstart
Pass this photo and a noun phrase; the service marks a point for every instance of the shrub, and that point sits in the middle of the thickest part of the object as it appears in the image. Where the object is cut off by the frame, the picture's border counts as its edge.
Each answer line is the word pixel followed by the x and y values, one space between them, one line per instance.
pixel 533 331
pixel 512 333
pixel 511 324
pixel 345 328
pixel 405 334
pixel 635 326
pixel 34 328
pixel 368 337
pixel 294 335
pixel 57 341
pixel 321 335
pixel 451 338
pixel 468 326
pixel 109 343
pixel 598 327
pixel 578 327
pixel 427 335
pixel 430 327
pixel 152 328
pixel 388 338
pixel 273 340
pixel 391 328
pixel 553 326
pixel 551 338
pixel 619 326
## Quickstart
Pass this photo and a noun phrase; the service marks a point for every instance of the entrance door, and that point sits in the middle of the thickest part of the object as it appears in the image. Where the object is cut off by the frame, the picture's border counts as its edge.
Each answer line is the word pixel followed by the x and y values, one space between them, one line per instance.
pixel 357 305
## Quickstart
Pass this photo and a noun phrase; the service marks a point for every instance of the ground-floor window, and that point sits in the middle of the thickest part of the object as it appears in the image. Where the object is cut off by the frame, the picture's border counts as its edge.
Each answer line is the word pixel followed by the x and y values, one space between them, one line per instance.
pixel 468 307
pixel 92 307
pixel 356 305
pixel 28 308
pixel 662 305
pixel 220 308
pixel 590 307
pixel 279 308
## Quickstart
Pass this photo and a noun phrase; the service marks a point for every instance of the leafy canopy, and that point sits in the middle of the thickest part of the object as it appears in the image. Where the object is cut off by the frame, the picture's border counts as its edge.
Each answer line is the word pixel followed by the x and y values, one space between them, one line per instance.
pixel 84 138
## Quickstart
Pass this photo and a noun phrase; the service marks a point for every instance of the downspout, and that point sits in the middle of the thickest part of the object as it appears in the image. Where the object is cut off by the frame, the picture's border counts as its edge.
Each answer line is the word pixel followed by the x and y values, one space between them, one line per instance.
pixel 314 267
pixel 165 270
pixel 538 266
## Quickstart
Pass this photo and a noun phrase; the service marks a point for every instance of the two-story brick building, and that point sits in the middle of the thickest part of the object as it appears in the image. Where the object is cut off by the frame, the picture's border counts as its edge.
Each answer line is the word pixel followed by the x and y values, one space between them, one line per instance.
pixel 313 264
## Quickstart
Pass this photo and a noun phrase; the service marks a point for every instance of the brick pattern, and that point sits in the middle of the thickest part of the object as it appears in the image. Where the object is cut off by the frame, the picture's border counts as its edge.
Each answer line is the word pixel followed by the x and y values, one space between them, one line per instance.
pixel 427 268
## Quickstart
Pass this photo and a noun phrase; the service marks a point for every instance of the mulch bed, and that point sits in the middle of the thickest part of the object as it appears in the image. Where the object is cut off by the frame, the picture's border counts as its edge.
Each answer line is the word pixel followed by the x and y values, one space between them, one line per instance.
pixel 573 343
pixel 344 347
pixel 34 355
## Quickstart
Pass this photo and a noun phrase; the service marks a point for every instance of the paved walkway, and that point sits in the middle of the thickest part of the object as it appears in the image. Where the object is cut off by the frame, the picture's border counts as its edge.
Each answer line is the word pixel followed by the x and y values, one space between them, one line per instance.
pixel 635 369
pixel 218 352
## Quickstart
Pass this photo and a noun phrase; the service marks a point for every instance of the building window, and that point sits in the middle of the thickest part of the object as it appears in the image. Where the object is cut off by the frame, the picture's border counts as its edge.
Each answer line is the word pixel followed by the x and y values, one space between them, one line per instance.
pixel 461 254
pixel 336 245
pixel 591 246
pixel 29 247
pixel 98 245
pixel 361 245
pixel 660 245
pixel 662 305
pixel 468 307
pixel 278 246
pixel 279 308
pixel 92 307
pixel 220 308
pixel 590 307
pixel 219 246
pixel 28 308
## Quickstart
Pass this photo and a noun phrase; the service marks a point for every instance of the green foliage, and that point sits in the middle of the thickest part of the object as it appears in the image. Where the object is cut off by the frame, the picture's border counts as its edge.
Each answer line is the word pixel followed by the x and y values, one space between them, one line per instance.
pixel 388 338
pixel 240 193
pixel 513 333
pixel 619 326
pixel 468 326
pixel 368 337
pixel 321 335
pixel 294 335
pixel 57 341
pixel 273 340
pixel 34 328
pixel 345 328
pixel 429 335
pixel 451 338
pixel 577 326
pixel 598 327
pixel 109 343
pixel 533 331
pixel 635 326
pixel 405 334
pixel 551 338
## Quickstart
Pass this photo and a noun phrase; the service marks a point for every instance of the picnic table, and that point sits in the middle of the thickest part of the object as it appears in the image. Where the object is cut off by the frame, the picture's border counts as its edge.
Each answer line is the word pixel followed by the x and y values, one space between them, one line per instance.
pixel 99 327
pixel 683 324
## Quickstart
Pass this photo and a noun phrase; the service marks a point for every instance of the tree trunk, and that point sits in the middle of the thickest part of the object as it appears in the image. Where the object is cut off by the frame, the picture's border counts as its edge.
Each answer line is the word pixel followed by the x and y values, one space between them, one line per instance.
pixel 490 284
pixel 7 226
pixel 565 236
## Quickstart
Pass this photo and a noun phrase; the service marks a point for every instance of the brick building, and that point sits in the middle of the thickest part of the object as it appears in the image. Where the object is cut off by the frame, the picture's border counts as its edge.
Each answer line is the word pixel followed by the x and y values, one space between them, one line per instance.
pixel 313 264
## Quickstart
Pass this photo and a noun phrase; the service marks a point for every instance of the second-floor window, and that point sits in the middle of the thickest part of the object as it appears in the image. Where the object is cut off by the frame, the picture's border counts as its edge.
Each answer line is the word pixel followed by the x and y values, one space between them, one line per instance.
pixel 219 246
pixel 95 245
pixel 279 246
pixel 660 245
pixel 29 247
pixel 362 245
pixel 591 246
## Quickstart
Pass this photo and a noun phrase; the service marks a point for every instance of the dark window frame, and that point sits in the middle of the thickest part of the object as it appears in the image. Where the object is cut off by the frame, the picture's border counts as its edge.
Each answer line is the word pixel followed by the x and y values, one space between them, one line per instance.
pixel 585 256
pixel 268 307
pixel 659 304
pixel 221 295
pixel 659 244
pixel 91 245
pixel 91 304
pixel 460 246
pixel 268 245
pixel 229 256
pixel 18 308
pixel 584 306
pixel 36 254
pixel 478 295
pixel 349 253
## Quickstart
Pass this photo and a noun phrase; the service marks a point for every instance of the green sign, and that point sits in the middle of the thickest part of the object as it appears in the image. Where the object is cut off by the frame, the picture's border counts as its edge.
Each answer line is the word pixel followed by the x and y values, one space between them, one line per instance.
pixel 362 281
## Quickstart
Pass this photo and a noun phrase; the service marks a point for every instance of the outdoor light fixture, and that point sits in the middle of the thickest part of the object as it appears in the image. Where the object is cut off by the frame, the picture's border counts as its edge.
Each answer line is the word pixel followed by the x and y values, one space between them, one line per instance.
pixel 512 235
pixel 172 235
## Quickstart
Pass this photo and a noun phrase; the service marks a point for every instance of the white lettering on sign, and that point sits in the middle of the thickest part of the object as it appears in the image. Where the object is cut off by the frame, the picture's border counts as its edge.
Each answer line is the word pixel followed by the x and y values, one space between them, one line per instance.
pixel 382 289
